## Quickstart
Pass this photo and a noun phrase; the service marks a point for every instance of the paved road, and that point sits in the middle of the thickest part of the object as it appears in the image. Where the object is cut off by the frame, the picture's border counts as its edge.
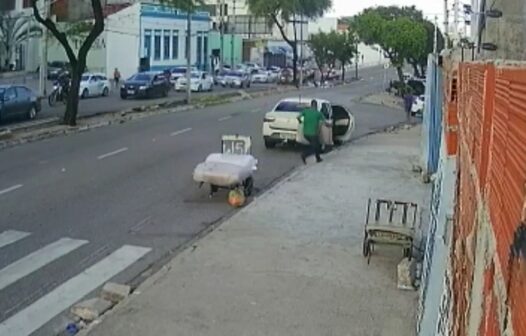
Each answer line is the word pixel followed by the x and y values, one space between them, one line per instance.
pixel 113 103
pixel 79 210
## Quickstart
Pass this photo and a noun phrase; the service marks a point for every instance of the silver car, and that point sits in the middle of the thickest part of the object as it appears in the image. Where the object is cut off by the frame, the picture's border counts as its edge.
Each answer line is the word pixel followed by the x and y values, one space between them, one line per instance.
pixel 237 79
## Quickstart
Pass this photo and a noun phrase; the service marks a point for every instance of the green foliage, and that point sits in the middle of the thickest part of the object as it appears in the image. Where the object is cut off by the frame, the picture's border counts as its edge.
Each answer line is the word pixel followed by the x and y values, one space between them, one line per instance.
pixel 334 46
pixel 399 31
pixel 16 29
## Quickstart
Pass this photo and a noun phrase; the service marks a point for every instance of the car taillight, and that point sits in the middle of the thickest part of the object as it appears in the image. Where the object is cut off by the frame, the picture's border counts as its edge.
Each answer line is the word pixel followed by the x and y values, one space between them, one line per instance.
pixel 269 119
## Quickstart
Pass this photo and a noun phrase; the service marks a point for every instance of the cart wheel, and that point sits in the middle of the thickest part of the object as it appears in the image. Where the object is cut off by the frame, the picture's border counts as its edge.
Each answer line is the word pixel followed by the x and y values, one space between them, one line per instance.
pixel 248 186
pixel 366 247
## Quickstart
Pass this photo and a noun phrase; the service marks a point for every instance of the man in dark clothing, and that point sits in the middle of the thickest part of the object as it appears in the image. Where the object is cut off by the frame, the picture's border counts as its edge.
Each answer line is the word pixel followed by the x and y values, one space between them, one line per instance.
pixel 311 119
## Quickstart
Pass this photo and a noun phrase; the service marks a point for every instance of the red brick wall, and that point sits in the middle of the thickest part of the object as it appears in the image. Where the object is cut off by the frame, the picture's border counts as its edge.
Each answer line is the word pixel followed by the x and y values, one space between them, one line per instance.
pixel 492 164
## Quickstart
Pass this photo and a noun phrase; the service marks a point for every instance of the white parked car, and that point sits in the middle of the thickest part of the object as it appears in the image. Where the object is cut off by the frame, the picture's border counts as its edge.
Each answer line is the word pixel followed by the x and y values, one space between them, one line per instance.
pixel 261 76
pixel 178 72
pixel 200 81
pixel 281 125
pixel 94 85
pixel 418 106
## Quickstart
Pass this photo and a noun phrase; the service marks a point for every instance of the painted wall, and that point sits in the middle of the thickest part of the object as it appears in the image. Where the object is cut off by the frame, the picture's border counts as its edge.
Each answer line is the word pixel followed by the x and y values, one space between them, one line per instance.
pixel 122 34
pixel 214 42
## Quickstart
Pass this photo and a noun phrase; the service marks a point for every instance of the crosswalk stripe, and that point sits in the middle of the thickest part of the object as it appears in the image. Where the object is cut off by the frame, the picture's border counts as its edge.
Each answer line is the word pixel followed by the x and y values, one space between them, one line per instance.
pixel 43 310
pixel 11 236
pixel 38 259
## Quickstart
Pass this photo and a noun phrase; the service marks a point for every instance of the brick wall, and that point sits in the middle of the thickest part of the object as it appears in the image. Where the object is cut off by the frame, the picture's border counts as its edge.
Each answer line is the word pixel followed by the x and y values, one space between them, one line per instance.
pixel 491 147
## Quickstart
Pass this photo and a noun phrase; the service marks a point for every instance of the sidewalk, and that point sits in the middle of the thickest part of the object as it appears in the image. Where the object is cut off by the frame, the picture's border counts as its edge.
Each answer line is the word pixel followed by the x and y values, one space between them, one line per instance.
pixel 291 262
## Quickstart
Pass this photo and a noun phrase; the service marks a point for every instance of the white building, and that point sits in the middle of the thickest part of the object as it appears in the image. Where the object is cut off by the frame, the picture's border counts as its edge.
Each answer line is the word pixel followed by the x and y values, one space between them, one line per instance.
pixel 147 32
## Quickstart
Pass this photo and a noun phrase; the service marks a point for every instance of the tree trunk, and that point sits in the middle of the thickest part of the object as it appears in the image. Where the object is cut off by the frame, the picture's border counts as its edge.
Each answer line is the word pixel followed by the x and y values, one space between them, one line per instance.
pixel 422 69
pixel 343 73
pixel 416 71
pixel 72 106
pixel 400 74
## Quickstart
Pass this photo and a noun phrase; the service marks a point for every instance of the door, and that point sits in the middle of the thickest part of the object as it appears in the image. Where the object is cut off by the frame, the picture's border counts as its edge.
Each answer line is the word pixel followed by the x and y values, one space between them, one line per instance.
pixel 23 99
pixel 343 123
pixel 99 85
pixel 326 137
pixel 10 103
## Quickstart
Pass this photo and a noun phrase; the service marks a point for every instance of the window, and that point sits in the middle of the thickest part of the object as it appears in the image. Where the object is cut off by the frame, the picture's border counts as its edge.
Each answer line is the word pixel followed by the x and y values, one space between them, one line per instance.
pixel 148 43
pixel 199 49
pixel 26 3
pixel 22 92
pixel 10 94
pixel 175 44
pixel 205 52
pixel 166 44
pixel 157 45
pixel 292 106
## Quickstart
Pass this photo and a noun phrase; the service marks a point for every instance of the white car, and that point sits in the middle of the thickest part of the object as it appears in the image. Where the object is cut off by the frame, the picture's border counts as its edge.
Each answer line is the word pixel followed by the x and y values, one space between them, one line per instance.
pixel 418 106
pixel 200 81
pixel 281 125
pixel 178 72
pixel 94 85
pixel 261 76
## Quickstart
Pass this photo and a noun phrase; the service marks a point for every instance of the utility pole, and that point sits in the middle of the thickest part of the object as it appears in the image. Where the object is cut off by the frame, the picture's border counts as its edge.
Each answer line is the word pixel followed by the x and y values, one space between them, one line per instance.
pixel 221 31
pixel 446 18
pixel 44 46
pixel 455 18
pixel 188 56
pixel 301 52
pixel 28 26
pixel 232 31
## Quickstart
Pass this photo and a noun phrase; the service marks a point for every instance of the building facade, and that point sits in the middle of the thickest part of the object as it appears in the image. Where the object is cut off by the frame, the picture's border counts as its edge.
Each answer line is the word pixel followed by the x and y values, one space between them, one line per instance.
pixel 508 33
pixel 147 33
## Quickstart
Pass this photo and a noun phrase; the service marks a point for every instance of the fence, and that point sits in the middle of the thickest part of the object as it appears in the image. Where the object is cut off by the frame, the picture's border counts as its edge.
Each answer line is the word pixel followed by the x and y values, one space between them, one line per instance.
pixel 489 236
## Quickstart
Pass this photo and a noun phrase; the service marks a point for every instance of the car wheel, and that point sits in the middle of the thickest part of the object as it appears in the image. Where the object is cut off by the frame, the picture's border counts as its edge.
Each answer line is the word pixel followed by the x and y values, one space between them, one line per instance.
pixel 200 88
pixel 165 93
pixel 85 94
pixel 123 96
pixel 269 144
pixel 32 114
pixel 105 92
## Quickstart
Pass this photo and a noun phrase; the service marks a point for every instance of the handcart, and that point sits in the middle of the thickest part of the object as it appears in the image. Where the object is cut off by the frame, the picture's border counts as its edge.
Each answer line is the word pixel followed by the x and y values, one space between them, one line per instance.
pixel 393 223
pixel 232 169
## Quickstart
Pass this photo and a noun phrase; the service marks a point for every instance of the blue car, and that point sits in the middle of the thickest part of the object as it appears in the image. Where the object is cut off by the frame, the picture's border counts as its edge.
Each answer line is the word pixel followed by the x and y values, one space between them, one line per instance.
pixel 18 101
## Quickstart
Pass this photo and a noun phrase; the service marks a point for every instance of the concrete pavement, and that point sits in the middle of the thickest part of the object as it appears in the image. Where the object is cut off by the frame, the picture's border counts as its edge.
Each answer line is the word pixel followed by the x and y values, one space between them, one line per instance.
pixel 127 185
pixel 291 262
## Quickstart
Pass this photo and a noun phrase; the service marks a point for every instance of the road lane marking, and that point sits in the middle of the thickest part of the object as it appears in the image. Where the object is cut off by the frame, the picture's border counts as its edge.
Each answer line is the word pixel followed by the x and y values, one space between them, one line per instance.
pixel 225 118
pixel 13 188
pixel 118 151
pixel 181 131
pixel 11 236
pixel 43 310
pixel 38 259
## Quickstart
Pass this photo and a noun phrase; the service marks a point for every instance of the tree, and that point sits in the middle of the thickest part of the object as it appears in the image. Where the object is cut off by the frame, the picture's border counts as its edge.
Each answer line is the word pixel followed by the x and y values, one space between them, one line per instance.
pixel 189 6
pixel 322 54
pixel 77 61
pixel 14 30
pixel 399 36
pixel 344 47
pixel 282 12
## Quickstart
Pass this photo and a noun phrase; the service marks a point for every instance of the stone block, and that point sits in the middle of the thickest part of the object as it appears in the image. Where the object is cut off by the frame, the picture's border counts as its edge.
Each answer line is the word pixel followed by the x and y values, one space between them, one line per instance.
pixel 406 274
pixel 91 309
pixel 115 292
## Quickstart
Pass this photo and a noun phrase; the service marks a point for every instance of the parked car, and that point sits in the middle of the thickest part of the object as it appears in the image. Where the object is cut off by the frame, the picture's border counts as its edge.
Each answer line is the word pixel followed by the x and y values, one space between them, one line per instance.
pixel 178 72
pixel 237 79
pixel 219 79
pixel 286 76
pixel 417 109
pixel 55 68
pixel 94 85
pixel 274 72
pixel 145 85
pixel 18 101
pixel 281 125
pixel 199 81
pixel 260 76
pixel 252 66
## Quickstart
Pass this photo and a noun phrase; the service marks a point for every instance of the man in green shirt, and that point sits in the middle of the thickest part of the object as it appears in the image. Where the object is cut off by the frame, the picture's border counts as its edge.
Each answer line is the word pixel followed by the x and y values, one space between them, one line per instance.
pixel 311 119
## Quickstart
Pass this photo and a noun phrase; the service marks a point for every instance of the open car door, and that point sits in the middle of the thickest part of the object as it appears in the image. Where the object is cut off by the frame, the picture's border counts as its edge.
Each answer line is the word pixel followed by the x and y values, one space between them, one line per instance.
pixel 343 124
pixel 326 131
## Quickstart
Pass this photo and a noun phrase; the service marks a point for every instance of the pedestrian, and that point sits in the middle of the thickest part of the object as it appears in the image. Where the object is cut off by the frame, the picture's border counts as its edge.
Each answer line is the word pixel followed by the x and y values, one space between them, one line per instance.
pixel 116 77
pixel 311 120
pixel 408 103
